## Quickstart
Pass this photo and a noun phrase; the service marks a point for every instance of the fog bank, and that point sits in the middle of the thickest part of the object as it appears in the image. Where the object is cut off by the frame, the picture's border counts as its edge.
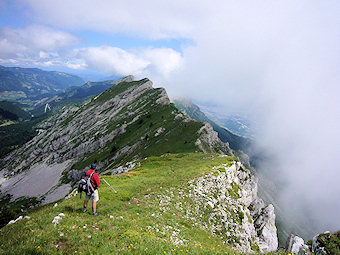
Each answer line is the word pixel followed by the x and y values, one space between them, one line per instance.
pixel 279 63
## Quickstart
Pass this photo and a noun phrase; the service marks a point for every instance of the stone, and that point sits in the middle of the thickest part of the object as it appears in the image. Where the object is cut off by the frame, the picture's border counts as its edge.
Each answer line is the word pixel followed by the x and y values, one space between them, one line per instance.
pixel 265 226
pixel 228 212
pixel 296 245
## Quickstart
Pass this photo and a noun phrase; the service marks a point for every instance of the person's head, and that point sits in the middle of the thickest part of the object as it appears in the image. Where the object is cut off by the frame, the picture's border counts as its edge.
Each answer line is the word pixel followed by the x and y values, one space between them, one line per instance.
pixel 93 166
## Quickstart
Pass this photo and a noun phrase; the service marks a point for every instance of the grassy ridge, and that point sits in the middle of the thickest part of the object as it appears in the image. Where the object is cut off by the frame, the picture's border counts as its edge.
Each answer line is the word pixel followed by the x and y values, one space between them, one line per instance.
pixel 131 221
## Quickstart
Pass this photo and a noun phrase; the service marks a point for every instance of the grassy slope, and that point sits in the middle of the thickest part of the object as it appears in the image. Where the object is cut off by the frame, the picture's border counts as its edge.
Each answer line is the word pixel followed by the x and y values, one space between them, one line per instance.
pixel 136 226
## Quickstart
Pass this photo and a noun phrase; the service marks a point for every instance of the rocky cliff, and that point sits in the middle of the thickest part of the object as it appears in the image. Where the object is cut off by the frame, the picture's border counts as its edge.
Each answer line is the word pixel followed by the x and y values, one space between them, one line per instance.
pixel 225 202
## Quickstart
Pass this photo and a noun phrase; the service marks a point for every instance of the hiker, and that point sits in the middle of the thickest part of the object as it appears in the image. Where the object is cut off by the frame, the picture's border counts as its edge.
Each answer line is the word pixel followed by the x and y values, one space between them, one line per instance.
pixel 95 196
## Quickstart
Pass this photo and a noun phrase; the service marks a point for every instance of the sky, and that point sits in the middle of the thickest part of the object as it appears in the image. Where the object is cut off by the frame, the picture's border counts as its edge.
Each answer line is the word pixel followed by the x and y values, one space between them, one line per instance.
pixel 276 61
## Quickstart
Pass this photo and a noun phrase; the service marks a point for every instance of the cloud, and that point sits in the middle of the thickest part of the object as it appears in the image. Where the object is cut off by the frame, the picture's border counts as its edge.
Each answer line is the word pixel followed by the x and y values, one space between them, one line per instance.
pixel 112 60
pixel 158 62
pixel 279 63
pixel 163 62
pixel 46 47
pixel 33 41
pixel 151 18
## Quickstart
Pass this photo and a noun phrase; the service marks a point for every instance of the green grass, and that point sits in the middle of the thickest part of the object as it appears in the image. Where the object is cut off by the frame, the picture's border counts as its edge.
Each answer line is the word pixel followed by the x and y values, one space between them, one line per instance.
pixel 137 225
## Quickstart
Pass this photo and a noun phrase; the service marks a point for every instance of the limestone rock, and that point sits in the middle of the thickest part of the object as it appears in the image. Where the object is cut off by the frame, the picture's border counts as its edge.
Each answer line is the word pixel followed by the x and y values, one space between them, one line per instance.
pixel 229 199
pixel 296 245
pixel 209 141
pixel 266 229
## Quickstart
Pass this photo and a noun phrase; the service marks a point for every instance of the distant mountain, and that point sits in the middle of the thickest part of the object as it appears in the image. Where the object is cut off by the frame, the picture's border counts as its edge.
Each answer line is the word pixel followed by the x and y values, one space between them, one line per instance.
pixel 88 89
pixel 236 142
pixel 88 75
pixel 25 84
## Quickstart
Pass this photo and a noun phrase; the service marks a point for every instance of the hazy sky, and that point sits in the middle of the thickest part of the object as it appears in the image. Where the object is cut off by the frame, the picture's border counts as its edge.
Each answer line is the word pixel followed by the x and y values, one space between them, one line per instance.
pixel 276 60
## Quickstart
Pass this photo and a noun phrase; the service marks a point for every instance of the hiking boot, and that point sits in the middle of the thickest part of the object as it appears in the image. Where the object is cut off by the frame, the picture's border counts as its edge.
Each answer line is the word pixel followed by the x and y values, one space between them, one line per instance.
pixel 96 213
pixel 84 210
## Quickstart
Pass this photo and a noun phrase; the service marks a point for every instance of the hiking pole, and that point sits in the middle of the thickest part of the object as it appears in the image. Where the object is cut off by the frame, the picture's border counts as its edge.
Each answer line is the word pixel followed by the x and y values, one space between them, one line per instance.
pixel 109 185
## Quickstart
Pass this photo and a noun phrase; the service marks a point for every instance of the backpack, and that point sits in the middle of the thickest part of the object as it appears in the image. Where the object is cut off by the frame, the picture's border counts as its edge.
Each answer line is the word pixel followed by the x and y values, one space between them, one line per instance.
pixel 85 185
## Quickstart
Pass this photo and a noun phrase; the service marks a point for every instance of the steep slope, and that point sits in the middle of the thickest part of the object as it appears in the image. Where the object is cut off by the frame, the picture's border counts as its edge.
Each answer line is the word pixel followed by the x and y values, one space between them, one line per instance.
pixel 176 203
pixel 30 84
pixel 129 121
pixel 58 106
pixel 193 111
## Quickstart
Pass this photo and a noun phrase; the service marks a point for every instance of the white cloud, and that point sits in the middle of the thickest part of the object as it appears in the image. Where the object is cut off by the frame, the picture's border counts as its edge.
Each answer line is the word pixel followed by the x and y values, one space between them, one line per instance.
pixel 33 40
pixel 279 62
pixel 150 18
pixel 156 62
pixel 112 60
pixel 163 62
pixel 46 47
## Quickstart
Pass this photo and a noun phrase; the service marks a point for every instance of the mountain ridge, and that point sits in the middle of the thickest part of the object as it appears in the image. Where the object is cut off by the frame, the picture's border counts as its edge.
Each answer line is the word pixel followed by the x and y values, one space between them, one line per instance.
pixel 94 132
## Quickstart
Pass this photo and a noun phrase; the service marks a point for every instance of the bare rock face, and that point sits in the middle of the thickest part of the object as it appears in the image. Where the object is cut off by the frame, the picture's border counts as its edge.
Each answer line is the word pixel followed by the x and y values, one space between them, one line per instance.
pixel 41 181
pixel 128 78
pixel 266 229
pixel 227 197
pixel 163 99
pixel 208 141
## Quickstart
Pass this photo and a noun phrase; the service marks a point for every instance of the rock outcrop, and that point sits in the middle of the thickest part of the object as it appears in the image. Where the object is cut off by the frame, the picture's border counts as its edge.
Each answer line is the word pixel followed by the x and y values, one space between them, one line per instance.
pixel 208 141
pixel 321 244
pixel 326 243
pixel 296 245
pixel 225 202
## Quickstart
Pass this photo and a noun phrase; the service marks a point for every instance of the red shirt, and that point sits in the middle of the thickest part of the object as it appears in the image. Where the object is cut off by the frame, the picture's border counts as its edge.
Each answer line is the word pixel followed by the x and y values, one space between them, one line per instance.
pixel 94 179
